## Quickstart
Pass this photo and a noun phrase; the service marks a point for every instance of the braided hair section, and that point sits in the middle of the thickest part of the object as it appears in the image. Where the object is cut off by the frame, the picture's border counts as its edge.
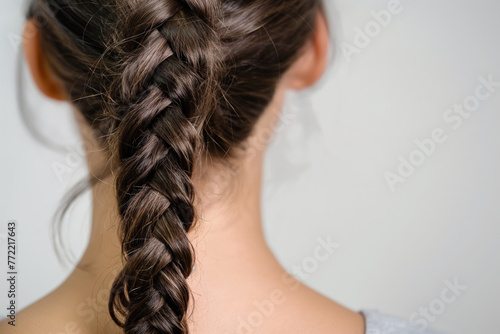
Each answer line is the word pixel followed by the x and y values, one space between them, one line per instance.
pixel 164 83
pixel 171 59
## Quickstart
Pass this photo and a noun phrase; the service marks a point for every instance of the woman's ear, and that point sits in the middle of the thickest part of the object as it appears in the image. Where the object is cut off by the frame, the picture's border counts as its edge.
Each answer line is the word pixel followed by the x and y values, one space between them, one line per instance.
pixel 43 78
pixel 311 66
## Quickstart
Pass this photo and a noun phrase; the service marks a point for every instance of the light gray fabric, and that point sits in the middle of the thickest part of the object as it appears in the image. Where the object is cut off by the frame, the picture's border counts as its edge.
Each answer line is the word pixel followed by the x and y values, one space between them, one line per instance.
pixel 379 323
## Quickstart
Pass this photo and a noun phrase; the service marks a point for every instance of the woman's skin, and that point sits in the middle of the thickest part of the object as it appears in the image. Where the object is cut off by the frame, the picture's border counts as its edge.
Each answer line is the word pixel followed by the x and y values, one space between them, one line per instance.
pixel 237 286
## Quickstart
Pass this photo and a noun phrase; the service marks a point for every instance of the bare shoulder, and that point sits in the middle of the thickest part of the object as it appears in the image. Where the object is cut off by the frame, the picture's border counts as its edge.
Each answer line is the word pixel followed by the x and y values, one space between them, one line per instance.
pixel 314 313
pixel 42 317
pixel 73 308
pixel 278 305
pixel 33 325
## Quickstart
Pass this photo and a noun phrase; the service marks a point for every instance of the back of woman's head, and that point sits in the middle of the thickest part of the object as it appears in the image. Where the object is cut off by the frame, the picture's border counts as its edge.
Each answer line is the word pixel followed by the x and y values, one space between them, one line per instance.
pixel 162 82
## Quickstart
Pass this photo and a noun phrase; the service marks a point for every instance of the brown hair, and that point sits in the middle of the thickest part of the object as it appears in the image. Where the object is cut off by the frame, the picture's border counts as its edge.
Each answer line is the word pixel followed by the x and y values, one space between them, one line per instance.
pixel 162 82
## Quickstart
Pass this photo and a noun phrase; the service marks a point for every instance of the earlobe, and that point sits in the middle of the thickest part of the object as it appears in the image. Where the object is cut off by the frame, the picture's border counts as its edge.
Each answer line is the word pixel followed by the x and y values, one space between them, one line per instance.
pixel 44 80
pixel 312 64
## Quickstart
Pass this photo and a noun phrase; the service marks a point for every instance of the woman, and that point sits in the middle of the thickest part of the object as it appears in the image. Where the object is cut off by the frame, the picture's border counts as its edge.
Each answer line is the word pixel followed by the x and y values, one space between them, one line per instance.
pixel 170 95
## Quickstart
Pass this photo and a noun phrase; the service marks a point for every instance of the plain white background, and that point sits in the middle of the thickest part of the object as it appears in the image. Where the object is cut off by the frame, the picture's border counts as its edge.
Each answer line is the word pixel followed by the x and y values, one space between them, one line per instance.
pixel 325 168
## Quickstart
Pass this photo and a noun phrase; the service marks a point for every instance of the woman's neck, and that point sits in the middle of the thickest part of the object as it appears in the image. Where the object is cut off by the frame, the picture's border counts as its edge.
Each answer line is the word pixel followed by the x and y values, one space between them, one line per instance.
pixel 228 202
pixel 233 261
pixel 229 207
